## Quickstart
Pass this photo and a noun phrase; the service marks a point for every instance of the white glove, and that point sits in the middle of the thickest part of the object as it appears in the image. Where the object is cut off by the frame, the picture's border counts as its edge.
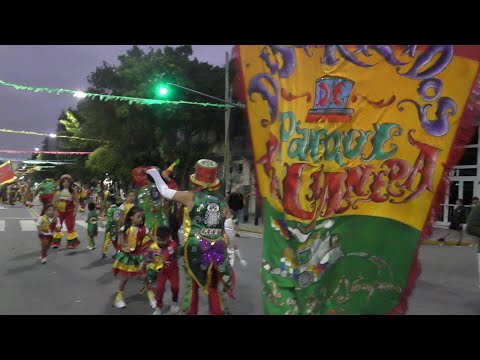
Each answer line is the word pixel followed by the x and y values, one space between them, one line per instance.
pixel 181 234
pixel 165 191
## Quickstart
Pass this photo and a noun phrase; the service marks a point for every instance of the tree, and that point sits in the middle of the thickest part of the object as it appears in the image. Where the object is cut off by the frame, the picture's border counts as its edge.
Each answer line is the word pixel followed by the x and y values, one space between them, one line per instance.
pixel 137 135
pixel 154 135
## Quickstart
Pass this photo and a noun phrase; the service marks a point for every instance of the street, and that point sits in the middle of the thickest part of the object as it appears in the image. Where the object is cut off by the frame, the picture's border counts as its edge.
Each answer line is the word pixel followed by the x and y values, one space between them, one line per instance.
pixel 79 282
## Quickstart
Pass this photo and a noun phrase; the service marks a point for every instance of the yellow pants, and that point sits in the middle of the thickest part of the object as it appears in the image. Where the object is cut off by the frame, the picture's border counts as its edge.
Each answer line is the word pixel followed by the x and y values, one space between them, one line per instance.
pixel 106 242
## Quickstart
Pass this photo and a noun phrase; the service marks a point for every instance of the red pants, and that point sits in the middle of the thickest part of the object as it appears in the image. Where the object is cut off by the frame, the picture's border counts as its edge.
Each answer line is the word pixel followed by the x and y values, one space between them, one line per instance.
pixel 46 241
pixel 191 297
pixel 72 236
pixel 162 276
pixel 46 200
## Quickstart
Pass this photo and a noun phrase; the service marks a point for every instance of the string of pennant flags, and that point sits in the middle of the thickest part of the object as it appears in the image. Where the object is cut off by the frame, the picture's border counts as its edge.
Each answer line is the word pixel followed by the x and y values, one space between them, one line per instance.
pixel 52 162
pixel 104 97
pixel 26 132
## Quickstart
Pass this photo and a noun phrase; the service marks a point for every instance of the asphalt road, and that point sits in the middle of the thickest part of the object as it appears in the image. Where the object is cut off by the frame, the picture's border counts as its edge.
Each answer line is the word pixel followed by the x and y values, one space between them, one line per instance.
pixel 79 282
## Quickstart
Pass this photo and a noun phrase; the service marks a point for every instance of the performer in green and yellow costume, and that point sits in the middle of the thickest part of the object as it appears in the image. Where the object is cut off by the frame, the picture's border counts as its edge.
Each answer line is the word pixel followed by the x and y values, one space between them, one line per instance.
pixel 208 224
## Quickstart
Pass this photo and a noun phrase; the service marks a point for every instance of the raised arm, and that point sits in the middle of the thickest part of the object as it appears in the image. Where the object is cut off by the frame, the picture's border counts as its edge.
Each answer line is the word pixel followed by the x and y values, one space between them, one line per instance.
pixel 183 197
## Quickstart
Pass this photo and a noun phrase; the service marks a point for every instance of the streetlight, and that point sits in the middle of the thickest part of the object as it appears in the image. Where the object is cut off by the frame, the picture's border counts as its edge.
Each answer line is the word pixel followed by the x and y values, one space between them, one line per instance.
pixel 79 94
pixel 52 135
pixel 37 149
pixel 162 90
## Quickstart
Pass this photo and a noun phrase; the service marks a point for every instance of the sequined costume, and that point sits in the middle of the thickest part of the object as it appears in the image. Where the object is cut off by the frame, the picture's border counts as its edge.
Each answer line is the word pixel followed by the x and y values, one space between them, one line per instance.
pixel 205 251
pixel 148 198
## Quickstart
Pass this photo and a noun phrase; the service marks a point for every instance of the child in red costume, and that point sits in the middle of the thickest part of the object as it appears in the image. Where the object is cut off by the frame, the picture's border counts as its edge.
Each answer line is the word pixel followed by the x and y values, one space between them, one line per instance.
pixel 47 224
pixel 162 264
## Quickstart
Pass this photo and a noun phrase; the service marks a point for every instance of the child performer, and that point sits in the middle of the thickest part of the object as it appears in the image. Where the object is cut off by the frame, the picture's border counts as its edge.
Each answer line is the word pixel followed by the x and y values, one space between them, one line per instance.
pixel 113 216
pixel 46 225
pixel 130 257
pixel 162 264
pixel 127 205
pixel 92 225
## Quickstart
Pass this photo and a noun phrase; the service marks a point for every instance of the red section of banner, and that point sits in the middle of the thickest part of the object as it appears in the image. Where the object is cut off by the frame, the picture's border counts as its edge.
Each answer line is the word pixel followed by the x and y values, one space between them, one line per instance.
pixel 6 173
pixel 315 118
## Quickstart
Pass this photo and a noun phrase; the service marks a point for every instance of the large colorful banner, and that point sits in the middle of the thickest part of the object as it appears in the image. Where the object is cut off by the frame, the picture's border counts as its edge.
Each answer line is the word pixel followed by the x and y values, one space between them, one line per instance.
pixel 7 175
pixel 351 147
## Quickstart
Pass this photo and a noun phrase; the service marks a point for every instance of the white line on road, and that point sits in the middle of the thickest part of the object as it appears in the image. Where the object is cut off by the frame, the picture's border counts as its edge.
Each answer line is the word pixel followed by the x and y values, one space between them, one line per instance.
pixel 28 225
pixel 2 225
pixel 81 223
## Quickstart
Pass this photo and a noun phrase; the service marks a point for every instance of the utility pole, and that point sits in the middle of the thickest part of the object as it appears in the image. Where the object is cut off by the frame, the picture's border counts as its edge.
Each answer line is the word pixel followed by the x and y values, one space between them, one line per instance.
pixel 226 160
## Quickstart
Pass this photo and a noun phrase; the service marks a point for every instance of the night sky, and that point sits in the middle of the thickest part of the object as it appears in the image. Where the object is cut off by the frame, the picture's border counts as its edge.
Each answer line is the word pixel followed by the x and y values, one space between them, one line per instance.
pixel 57 66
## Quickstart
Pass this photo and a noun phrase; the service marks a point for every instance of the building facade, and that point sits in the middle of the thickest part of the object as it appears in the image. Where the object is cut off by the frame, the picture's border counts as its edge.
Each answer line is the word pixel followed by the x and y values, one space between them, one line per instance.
pixel 464 181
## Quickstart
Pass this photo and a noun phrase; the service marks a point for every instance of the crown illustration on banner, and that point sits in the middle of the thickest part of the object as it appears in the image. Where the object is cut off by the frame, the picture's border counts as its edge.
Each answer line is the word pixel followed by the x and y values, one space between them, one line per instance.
pixel 331 98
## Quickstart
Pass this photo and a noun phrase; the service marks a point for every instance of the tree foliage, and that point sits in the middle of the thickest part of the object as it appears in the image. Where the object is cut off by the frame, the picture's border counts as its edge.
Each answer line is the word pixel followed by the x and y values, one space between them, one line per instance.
pixel 137 135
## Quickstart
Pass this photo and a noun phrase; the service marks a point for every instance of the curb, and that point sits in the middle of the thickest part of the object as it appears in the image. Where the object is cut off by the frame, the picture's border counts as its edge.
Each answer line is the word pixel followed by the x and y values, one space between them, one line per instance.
pixel 249 229
pixel 449 243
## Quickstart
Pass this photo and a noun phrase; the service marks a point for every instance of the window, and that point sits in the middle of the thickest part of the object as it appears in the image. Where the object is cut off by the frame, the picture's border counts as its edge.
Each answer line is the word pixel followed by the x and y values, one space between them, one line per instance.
pixel 467 172
pixel 240 168
pixel 469 157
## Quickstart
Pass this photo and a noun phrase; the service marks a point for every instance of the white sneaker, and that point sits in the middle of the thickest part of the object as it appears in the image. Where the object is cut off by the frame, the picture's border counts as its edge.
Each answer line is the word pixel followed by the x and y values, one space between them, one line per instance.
pixel 89 248
pixel 120 304
pixel 157 311
pixel 44 260
pixel 174 308
pixel 153 303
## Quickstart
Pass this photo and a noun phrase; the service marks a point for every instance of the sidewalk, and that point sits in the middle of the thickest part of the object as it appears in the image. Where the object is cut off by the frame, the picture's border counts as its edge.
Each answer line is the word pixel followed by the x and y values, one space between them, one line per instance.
pixel 451 240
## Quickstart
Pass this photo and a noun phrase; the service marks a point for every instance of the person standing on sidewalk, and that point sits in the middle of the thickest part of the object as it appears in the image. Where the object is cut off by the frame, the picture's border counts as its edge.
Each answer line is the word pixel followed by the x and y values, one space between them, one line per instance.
pixel 473 228
pixel 459 218
pixel 236 203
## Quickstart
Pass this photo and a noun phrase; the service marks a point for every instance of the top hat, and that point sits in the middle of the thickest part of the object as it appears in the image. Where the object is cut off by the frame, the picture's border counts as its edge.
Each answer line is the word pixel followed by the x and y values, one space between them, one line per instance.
pixel 206 175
